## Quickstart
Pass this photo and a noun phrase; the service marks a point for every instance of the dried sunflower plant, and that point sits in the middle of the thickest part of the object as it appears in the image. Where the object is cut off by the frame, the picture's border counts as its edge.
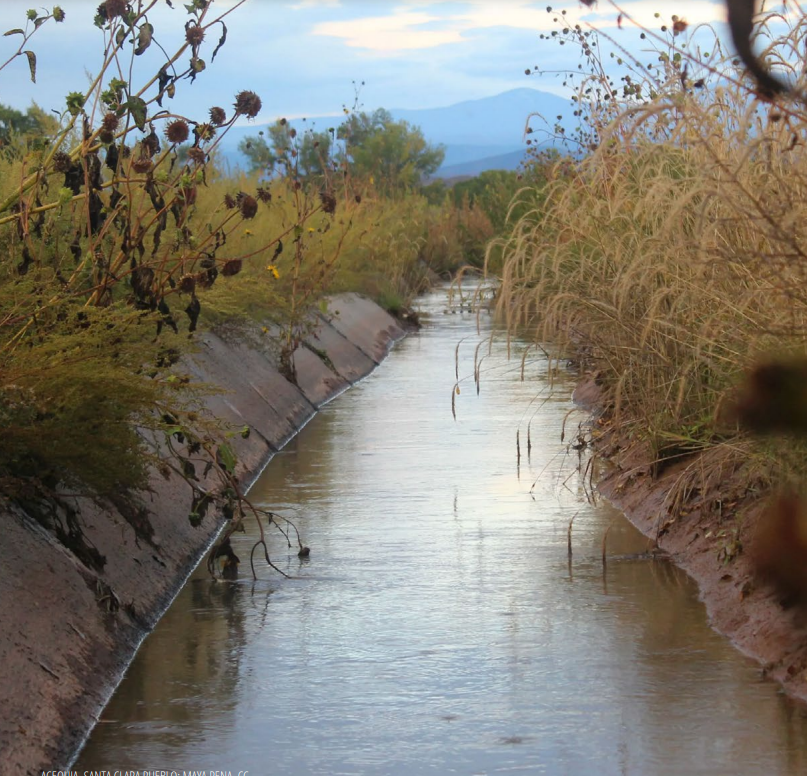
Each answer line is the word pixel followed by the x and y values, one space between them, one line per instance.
pixel 106 258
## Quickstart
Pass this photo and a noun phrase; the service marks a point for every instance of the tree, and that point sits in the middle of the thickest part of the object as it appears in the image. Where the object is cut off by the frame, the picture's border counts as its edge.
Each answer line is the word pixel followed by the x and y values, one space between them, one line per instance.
pixel 303 155
pixel 34 124
pixel 260 156
pixel 393 155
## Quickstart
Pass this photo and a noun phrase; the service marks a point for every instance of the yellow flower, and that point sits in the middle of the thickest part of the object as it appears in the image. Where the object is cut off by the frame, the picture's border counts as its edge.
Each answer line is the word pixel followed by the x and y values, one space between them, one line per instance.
pixel 310 229
pixel 247 233
pixel 273 269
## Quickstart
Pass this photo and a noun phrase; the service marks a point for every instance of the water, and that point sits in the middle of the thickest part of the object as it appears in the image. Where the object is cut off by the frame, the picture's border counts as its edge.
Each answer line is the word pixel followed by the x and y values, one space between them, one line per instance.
pixel 439 627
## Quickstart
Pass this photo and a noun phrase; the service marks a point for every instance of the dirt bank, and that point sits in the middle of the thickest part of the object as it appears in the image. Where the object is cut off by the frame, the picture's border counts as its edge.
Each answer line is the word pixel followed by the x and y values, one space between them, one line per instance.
pixel 706 531
pixel 70 630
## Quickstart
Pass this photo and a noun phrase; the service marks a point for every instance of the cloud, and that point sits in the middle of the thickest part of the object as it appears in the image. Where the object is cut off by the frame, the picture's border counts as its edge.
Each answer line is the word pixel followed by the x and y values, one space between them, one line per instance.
pixel 316 4
pixel 411 27
pixel 400 31
pixel 644 13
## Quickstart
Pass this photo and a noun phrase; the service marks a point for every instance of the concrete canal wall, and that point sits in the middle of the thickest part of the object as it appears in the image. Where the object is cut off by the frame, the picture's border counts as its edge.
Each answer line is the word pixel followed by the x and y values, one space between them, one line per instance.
pixel 68 631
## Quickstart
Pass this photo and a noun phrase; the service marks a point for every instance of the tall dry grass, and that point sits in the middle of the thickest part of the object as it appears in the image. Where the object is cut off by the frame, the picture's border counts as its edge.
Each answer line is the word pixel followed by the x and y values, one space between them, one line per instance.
pixel 674 255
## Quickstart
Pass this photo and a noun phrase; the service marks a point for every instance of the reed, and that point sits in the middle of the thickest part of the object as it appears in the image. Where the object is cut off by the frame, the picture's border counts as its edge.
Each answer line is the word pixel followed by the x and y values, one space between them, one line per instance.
pixel 673 254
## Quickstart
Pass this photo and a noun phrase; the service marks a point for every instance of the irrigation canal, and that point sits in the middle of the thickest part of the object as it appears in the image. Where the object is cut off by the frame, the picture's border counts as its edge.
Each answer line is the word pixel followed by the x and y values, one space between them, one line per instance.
pixel 438 627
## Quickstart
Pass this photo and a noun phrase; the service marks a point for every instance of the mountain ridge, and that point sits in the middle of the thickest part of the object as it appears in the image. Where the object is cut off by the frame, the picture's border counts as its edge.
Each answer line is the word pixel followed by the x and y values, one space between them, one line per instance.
pixel 473 131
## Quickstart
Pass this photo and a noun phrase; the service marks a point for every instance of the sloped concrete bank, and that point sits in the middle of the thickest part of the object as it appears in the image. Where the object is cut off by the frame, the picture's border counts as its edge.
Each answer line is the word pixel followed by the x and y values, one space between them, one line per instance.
pixel 68 631
pixel 708 527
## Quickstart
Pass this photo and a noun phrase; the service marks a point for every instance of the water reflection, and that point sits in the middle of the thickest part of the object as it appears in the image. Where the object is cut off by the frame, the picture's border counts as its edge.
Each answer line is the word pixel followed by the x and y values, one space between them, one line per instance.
pixel 439 626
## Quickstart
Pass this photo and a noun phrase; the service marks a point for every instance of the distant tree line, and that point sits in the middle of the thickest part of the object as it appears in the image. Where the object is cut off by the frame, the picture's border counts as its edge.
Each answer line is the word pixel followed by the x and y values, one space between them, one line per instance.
pixel 391 155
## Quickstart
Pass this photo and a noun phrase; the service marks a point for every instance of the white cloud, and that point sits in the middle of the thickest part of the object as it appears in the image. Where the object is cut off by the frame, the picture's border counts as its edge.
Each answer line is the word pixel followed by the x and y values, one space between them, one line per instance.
pixel 643 13
pixel 401 31
pixel 411 27
pixel 316 4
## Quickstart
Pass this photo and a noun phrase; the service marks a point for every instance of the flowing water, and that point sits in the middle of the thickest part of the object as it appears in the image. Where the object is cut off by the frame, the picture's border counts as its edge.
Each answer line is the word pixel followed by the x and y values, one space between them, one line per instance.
pixel 439 626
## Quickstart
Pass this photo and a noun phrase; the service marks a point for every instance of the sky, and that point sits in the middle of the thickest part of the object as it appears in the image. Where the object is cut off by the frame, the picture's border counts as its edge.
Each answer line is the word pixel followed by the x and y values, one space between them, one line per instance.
pixel 310 57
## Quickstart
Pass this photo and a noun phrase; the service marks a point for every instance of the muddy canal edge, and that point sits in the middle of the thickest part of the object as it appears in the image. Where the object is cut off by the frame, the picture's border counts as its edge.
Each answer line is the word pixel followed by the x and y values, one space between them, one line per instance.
pixel 709 549
pixel 68 633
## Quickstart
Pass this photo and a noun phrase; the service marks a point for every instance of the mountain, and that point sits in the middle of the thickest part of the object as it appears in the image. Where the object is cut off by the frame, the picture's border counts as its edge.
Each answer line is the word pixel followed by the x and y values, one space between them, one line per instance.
pixel 474 132
pixel 490 121
pixel 472 168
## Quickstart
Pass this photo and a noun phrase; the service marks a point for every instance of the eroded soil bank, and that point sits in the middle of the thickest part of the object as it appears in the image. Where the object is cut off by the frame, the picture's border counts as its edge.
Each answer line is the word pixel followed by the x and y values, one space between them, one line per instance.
pixel 707 531
pixel 69 631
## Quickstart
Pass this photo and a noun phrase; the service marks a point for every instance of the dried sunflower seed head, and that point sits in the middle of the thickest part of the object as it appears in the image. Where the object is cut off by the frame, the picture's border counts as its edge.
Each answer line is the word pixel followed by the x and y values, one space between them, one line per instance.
pixel 62 162
pixel 204 132
pixel 109 9
pixel 247 104
pixel 217 116
pixel 110 122
pixel 197 155
pixel 142 164
pixel 328 202
pixel 231 267
pixel 177 131
pixel 194 34
pixel 247 205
